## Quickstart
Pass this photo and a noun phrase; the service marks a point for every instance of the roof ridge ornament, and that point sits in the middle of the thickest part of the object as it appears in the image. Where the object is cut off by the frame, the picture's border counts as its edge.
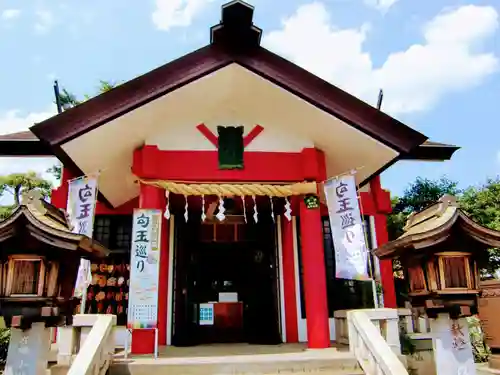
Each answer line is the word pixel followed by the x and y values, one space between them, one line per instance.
pixel 236 29
pixel 435 209
pixel 33 199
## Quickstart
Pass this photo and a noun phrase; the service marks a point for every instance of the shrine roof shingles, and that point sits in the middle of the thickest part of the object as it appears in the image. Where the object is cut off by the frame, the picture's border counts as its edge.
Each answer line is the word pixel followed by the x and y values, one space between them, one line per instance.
pixel 433 225
pixel 48 223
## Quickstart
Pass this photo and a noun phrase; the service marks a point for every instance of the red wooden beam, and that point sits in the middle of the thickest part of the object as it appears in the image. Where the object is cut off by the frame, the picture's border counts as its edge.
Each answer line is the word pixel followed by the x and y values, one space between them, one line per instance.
pixel 252 135
pixel 203 166
pixel 207 133
pixel 213 139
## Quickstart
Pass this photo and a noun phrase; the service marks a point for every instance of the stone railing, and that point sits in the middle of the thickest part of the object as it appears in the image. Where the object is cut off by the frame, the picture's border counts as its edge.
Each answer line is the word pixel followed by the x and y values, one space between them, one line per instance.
pixel 374 354
pixel 87 346
pixel 385 320
pixel 414 326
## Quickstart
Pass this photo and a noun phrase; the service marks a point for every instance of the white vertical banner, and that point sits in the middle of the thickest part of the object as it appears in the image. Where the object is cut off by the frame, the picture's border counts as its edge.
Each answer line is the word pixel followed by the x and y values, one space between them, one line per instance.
pixel 82 198
pixel 144 269
pixel 351 254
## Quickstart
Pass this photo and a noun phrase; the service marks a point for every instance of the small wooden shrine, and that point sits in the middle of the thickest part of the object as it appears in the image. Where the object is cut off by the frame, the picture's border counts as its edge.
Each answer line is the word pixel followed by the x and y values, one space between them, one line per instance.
pixel 39 260
pixel 441 251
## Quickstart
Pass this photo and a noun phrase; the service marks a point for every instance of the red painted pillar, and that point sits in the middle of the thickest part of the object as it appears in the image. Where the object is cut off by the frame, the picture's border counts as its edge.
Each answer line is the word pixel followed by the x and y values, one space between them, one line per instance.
pixel 382 199
pixel 59 196
pixel 143 340
pixel 290 297
pixel 313 261
pixel 386 273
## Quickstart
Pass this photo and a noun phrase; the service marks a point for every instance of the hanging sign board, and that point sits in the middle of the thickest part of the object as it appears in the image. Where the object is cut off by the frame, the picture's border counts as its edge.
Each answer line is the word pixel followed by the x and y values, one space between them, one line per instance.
pixel 144 269
pixel 351 254
pixel 82 194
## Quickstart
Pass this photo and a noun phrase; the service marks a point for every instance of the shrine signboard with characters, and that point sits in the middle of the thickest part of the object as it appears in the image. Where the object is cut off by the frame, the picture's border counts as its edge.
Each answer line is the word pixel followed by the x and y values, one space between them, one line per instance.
pixel 81 204
pixel 144 269
pixel 351 254
pixel 82 198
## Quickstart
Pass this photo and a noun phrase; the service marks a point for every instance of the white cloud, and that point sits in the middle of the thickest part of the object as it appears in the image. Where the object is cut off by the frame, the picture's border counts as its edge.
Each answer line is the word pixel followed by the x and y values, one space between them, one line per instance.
pixel 381 5
pixel 44 21
pixel 176 13
pixel 9 14
pixel 14 121
pixel 415 79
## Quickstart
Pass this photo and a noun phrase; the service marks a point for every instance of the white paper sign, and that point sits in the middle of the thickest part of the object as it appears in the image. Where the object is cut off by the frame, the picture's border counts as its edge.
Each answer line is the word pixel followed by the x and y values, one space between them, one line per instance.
pixel 82 198
pixel 228 297
pixel 452 348
pixel 351 255
pixel 206 314
pixel 144 269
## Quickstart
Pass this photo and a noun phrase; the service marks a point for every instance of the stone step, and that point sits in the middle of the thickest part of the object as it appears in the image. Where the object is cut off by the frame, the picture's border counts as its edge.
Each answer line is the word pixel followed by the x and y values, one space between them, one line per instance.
pixel 326 361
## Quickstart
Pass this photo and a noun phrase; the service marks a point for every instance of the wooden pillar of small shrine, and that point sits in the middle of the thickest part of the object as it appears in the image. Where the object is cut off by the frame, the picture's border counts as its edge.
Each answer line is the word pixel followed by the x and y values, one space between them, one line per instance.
pixel 441 250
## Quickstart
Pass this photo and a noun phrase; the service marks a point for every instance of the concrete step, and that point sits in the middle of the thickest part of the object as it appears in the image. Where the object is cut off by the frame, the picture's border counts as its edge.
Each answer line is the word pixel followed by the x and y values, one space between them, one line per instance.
pixel 327 361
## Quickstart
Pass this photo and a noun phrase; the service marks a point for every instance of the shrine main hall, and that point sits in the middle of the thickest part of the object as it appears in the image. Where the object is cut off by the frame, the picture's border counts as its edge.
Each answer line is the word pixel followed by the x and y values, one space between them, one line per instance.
pixel 231 121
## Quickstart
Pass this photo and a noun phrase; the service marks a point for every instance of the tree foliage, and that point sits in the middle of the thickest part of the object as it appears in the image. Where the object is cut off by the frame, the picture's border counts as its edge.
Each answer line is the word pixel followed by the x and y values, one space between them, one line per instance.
pixel 16 183
pixel 416 197
pixel 481 203
pixel 56 170
pixel 68 99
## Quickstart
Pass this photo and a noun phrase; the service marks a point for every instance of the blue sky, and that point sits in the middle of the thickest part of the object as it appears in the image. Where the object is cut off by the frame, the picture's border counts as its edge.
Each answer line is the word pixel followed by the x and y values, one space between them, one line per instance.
pixel 437 61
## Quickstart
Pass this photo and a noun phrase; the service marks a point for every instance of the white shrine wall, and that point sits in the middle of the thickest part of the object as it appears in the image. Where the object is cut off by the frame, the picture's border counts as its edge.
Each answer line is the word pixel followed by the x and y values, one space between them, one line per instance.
pixel 274 138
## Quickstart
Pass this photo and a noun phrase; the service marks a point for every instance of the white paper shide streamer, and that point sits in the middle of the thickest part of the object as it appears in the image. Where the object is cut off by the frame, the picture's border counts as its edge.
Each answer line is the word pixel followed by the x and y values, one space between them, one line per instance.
pixel 186 213
pixel 244 208
pixel 203 214
pixel 272 208
pixel 220 215
pixel 288 209
pixel 255 213
pixel 166 215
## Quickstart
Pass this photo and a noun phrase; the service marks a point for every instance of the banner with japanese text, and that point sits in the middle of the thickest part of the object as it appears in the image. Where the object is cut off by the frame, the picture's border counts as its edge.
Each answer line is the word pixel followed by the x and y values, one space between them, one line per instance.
pixel 82 198
pixel 351 254
pixel 144 269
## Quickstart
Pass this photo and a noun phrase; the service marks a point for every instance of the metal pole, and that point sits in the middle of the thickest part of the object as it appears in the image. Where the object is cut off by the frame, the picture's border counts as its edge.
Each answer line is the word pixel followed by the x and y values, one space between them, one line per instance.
pixel 380 99
pixel 156 343
pixel 58 98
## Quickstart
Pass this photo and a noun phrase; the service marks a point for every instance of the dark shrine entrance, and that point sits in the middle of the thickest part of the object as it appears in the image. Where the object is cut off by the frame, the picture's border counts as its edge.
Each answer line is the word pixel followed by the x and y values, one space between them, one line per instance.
pixel 226 281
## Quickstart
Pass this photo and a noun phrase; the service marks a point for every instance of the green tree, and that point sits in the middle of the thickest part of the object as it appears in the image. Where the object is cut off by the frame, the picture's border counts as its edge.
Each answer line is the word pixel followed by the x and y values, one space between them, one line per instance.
pixel 482 204
pixel 68 99
pixel 56 170
pixel 416 197
pixel 14 184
